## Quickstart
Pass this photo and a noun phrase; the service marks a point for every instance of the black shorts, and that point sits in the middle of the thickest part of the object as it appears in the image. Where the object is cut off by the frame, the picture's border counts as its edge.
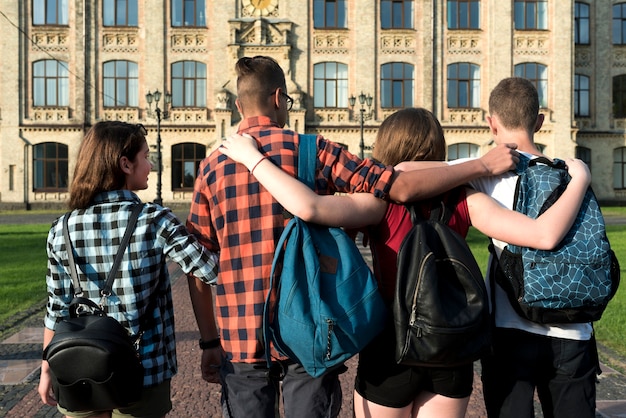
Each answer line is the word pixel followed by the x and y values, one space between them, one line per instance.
pixel 380 380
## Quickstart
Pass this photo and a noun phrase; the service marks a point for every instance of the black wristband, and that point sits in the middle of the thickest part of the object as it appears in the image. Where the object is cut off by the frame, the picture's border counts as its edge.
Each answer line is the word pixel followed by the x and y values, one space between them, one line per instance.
pixel 205 345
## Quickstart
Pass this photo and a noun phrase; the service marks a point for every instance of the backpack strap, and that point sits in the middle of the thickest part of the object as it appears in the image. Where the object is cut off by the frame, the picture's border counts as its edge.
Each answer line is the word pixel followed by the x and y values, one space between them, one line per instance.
pixel 307 164
pixel 442 207
pixel 307 159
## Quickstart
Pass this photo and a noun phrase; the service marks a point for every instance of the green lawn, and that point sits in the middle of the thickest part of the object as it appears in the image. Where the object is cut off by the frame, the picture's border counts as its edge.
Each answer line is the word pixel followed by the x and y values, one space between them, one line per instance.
pixel 22 267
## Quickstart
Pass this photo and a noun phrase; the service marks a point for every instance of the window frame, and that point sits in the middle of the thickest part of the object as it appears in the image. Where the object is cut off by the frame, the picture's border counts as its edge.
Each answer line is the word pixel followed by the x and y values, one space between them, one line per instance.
pixel 389 12
pixel 182 7
pixel 473 151
pixel 321 9
pixel 619 168
pixel 52 12
pixel 59 162
pixel 582 24
pixel 582 95
pixel 192 91
pixel 123 11
pixel 131 84
pixel 389 84
pixel 618 30
pixel 619 106
pixel 537 10
pixel 179 164
pixel 59 82
pixel 340 88
pixel 456 83
pixel 455 11
pixel 540 82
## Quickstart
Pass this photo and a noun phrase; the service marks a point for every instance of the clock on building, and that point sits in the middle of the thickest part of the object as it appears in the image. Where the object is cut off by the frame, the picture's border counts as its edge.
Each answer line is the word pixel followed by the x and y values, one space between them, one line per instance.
pixel 259 7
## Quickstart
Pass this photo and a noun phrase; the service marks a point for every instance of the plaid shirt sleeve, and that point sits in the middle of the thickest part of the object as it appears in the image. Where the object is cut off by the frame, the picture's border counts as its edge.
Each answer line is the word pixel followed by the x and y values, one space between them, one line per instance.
pixel 341 171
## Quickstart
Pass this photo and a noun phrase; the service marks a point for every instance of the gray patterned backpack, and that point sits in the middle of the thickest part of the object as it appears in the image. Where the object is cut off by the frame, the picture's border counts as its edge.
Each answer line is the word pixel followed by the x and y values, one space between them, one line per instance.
pixel 571 283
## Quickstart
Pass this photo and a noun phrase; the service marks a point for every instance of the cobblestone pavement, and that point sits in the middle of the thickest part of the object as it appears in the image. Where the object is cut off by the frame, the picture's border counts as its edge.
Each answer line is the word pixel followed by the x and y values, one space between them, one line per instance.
pixel 191 396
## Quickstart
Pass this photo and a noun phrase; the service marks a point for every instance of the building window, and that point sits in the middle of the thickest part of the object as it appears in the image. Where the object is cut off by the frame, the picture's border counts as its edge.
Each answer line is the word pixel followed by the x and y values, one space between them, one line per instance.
pixel 462 150
pixel 538 75
pixel 188 84
pixel 120 13
pixel 50 167
pixel 619 168
pixel 581 95
pixel 619 24
pixel 329 14
pixel 584 154
pixel 396 85
pixel 50 12
pixel 396 14
pixel 188 13
pixel 463 14
pixel 463 85
pixel 50 83
pixel 121 84
pixel 581 23
pixel 186 159
pixel 531 14
pixel 619 96
pixel 330 85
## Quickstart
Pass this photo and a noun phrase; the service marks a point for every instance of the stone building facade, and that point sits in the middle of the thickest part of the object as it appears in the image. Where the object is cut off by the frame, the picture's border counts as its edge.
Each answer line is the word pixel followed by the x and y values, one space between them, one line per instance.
pixel 67 64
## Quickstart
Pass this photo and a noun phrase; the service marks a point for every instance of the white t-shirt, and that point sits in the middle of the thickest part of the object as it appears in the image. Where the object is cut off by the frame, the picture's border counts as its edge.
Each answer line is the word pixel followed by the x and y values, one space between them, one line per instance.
pixel 502 189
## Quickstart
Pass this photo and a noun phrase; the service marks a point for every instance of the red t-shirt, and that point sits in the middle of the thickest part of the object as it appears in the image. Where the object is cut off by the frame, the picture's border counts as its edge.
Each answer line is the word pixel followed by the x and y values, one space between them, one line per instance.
pixel 386 238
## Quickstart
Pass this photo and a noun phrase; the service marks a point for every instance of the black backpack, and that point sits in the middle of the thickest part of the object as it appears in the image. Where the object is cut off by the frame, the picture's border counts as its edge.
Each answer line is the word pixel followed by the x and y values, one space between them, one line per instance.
pixel 440 307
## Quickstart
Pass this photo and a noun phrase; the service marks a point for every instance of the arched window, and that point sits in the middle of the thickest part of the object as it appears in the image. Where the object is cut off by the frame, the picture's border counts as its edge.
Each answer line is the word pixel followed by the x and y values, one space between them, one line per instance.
pixel 186 159
pixel 50 167
pixel 50 83
pixel 396 85
pixel 538 75
pixel 330 84
pixel 189 84
pixel 121 84
pixel 462 150
pixel 463 85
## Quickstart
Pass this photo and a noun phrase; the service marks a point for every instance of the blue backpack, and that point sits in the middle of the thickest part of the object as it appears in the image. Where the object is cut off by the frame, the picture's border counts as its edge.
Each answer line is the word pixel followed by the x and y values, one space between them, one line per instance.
pixel 327 302
pixel 575 281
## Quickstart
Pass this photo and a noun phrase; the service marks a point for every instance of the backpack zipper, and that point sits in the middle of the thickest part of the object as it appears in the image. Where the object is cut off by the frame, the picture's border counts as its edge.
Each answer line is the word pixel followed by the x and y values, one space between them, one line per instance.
pixel 331 325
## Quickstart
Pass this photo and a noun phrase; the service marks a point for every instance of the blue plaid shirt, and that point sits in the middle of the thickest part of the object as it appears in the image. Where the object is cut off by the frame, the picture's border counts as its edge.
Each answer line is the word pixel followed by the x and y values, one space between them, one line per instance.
pixel 143 277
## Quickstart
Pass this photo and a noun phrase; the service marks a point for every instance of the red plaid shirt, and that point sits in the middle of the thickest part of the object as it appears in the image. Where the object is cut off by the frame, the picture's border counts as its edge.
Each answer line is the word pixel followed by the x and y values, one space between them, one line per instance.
pixel 233 214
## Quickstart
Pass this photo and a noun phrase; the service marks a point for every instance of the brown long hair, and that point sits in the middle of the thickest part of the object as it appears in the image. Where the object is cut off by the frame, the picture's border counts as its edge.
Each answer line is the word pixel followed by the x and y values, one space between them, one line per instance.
pixel 98 163
pixel 412 134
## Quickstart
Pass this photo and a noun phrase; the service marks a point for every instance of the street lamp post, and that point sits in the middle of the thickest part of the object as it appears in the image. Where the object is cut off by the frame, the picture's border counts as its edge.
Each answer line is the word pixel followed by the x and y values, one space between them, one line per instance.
pixel 159 114
pixel 363 100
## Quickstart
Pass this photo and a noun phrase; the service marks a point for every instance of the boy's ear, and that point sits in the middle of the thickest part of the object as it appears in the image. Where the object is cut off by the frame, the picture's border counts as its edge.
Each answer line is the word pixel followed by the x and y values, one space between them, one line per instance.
pixel 492 126
pixel 238 105
pixel 540 118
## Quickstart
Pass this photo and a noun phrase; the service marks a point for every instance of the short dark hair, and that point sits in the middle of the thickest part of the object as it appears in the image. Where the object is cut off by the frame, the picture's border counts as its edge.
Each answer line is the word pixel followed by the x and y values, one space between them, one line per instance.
pixel 516 103
pixel 258 77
